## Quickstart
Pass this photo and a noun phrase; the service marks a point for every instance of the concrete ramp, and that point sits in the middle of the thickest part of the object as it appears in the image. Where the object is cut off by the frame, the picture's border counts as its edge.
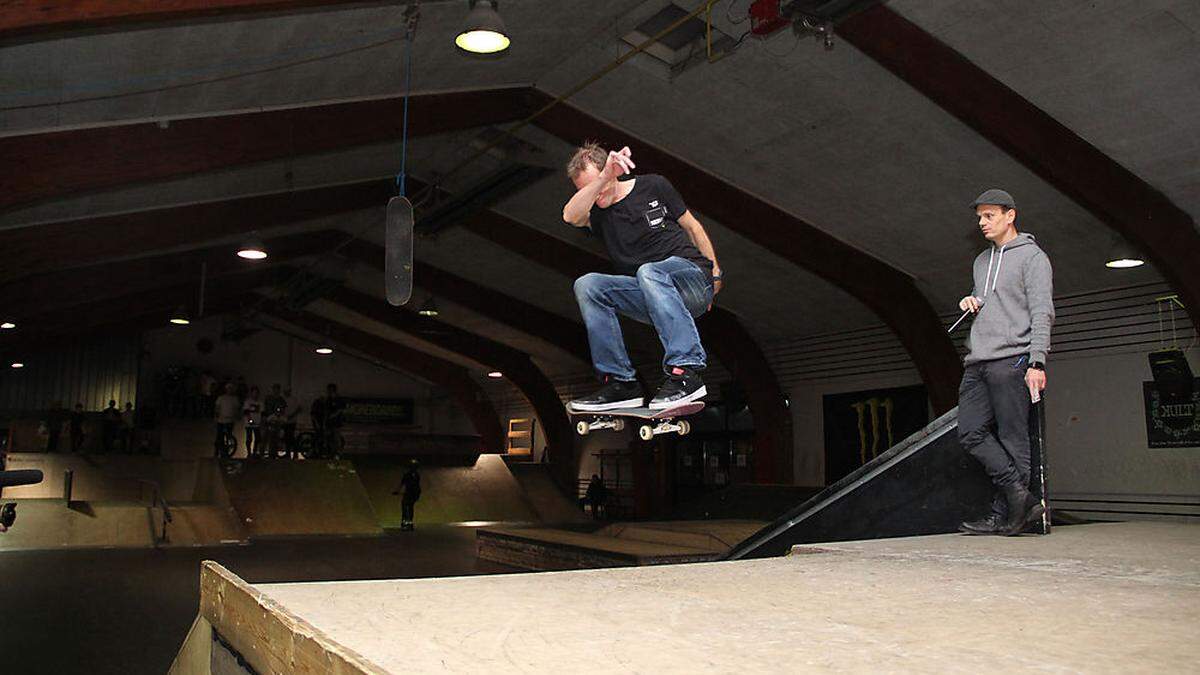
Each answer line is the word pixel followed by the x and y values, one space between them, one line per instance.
pixel 282 498
pixel 544 495
pixel 119 478
pixel 485 491
pixel 615 545
pixel 926 484
pixel 45 523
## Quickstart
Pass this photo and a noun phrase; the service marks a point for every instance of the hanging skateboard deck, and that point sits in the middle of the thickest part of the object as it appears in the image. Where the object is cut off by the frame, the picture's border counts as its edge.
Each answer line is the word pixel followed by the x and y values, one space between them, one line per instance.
pixel 656 421
pixel 398 251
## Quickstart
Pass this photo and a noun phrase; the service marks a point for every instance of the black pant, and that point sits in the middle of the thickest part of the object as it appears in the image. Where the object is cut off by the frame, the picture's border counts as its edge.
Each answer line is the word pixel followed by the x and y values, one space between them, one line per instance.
pixel 289 439
pixel 993 421
pixel 224 431
pixel 252 441
pixel 406 510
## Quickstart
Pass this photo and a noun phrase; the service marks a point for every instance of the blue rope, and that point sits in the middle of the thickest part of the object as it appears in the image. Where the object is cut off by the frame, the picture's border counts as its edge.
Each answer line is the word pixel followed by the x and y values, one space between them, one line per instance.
pixel 400 180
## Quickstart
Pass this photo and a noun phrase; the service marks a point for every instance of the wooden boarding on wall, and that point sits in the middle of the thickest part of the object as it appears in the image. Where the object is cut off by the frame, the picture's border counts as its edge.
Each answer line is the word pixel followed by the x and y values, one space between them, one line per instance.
pixel 267 636
pixel 520 436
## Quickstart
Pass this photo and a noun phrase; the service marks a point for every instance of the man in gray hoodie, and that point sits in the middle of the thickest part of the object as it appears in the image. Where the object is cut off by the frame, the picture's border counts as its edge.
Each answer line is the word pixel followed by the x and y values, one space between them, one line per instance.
pixel 1005 364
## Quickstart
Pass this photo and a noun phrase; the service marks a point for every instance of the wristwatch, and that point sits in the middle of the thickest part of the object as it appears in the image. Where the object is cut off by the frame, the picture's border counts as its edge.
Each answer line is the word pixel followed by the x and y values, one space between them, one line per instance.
pixel 1037 365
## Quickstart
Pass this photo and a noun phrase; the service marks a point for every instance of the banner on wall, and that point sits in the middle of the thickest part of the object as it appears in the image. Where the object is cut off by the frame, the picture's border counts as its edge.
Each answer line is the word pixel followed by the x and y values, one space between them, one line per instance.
pixel 394 411
pixel 861 425
pixel 1172 421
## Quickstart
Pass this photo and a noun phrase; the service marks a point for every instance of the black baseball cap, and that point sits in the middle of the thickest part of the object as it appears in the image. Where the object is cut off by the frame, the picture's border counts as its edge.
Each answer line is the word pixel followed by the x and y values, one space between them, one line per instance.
pixel 997 197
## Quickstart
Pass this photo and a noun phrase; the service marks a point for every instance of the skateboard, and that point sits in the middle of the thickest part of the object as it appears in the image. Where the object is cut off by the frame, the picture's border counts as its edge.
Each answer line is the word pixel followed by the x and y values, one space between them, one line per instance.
pixel 398 251
pixel 656 421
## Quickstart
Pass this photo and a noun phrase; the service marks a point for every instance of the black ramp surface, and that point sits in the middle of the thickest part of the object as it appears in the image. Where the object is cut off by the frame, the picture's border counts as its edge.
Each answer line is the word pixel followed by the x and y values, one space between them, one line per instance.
pixel 398 246
pixel 926 484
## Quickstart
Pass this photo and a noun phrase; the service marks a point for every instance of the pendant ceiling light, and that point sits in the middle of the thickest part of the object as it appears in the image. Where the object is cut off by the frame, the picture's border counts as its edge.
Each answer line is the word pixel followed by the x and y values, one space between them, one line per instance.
pixel 428 309
pixel 484 32
pixel 1123 256
pixel 252 249
pixel 180 317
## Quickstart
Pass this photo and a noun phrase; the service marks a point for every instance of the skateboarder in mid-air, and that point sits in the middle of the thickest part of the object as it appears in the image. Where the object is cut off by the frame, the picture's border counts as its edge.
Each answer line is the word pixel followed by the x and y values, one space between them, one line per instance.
pixel 666 276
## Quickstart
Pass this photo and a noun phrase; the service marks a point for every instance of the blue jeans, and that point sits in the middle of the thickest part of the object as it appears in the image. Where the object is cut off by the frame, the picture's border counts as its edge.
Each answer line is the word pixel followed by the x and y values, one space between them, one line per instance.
pixel 667 294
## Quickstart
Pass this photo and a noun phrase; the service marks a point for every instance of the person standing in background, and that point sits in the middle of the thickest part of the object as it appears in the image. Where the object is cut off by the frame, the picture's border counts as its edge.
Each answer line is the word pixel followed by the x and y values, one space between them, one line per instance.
pixel 226 412
pixel 252 411
pixel 410 487
pixel 128 424
pixel 112 422
pixel 55 417
pixel 77 428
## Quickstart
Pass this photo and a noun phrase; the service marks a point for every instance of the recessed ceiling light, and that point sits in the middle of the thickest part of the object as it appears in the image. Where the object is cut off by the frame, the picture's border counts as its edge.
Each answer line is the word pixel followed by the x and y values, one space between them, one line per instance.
pixel 495 374
pixel 324 350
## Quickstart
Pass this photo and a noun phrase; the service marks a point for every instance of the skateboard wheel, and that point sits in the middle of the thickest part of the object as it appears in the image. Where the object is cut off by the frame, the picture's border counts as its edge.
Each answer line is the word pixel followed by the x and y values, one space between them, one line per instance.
pixel 618 424
pixel 685 427
pixel 646 432
pixel 582 428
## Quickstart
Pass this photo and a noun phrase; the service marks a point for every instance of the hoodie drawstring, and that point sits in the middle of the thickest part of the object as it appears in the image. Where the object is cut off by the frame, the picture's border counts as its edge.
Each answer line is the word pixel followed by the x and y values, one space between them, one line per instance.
pixel 987 278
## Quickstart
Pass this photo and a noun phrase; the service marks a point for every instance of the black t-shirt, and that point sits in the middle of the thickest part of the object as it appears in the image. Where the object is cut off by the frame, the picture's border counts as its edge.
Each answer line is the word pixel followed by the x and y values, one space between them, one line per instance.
pixel 644 227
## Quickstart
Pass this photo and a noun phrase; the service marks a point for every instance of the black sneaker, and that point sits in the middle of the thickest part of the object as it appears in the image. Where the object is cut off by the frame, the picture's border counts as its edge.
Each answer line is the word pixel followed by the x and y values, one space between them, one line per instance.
pixel 682 386
pixel 992 524
pixel 614 394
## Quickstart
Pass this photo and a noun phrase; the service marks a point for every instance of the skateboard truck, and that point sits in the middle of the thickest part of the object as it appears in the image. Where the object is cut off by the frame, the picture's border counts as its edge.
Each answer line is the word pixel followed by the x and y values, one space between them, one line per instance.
pixel 614 423
pixel 647 432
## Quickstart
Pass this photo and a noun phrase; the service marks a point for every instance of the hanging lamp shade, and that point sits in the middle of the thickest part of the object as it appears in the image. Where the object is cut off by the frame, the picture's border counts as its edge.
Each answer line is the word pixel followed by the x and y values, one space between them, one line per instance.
pixel 180 317
pixel 484 31
pixel 252 249
pixel 1123 256
pixel 429 309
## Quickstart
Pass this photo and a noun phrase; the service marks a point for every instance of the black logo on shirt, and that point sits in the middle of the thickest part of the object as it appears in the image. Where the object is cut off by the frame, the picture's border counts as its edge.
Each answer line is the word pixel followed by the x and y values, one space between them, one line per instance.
pixel 656 217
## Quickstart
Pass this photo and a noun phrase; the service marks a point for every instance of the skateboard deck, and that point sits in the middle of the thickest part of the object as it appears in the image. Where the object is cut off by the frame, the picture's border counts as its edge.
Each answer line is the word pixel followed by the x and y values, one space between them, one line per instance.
pixel 615 419
pixel 398 251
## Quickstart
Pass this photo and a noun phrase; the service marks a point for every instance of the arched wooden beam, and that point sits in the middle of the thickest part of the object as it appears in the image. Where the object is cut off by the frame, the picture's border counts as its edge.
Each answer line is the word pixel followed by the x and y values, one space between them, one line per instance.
pixel 516 366
pixel 1116 196
pixel 451 377
pixel 41 293
pixel 42 18
pixel 526 317
pixel 61 163
pixel 87 241
pixel 891 294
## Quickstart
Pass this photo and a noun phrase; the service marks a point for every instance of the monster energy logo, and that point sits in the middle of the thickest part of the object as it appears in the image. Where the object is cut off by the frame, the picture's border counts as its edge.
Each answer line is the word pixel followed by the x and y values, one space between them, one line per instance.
pixel 871 445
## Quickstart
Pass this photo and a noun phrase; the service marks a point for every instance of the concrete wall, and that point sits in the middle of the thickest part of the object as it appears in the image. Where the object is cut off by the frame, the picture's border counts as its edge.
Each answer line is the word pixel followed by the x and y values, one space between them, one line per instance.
pixel 808 419
pixel 268 357
pixel 1095 429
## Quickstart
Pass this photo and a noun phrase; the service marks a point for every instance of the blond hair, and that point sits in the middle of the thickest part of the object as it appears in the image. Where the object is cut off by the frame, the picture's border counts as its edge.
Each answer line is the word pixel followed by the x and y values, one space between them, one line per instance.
pixel 590 153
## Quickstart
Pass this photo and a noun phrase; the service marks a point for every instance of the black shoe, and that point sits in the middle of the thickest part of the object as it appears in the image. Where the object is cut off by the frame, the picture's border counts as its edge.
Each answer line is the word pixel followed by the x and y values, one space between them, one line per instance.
pixel 682 386
pixel 1023 509
pixel 992 524
pixel 614 394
